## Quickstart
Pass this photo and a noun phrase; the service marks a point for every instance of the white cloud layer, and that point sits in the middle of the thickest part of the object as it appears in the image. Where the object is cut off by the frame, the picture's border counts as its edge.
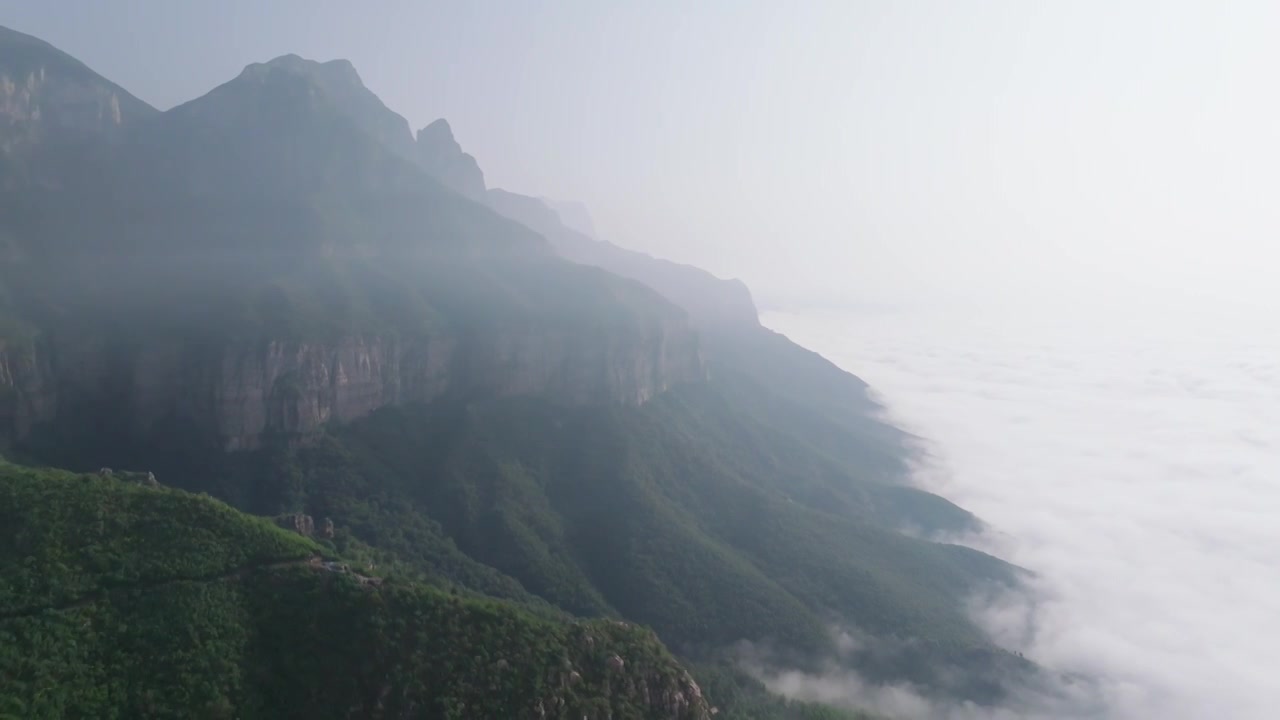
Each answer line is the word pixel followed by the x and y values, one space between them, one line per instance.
pixel 1135 466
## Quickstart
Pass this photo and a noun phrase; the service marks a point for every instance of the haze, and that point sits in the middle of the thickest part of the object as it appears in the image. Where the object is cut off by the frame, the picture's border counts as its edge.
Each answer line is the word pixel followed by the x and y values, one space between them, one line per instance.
pixel 1118 160
pixel 822 151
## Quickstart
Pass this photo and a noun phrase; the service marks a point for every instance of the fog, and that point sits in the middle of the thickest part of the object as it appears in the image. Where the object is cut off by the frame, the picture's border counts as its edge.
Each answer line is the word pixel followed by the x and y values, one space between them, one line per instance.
pixel 1132 463
pixel 1043 231
pixel 823 150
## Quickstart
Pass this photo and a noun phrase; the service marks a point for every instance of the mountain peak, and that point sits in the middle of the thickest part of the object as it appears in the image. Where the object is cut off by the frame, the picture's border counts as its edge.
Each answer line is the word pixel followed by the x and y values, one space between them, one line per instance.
pixel 335 73
pixel 340 84
pixel 439 132
pixel 440 155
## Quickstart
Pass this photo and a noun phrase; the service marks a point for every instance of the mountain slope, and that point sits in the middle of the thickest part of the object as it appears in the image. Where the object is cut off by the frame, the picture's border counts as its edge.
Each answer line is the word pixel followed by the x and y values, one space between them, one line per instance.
pixel 710 528
pixel 121 601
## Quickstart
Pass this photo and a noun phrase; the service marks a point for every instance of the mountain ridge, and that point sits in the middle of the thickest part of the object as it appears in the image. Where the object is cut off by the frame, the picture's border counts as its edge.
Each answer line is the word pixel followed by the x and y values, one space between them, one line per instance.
pixel 257 295
pixel 378 284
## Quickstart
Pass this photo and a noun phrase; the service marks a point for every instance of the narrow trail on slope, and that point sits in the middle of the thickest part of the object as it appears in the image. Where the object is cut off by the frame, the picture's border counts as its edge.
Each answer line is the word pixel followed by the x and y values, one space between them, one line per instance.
pixel 313 561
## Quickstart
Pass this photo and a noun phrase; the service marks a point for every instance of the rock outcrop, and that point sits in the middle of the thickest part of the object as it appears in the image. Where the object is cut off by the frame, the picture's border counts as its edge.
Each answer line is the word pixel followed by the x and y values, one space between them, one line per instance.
pixel 237 393
pixel 48 96
pixel 300 523
pixel 28 390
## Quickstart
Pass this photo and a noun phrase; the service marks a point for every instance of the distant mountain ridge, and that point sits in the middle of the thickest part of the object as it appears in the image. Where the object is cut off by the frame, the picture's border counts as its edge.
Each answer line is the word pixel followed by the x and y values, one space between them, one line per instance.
pixel 710 301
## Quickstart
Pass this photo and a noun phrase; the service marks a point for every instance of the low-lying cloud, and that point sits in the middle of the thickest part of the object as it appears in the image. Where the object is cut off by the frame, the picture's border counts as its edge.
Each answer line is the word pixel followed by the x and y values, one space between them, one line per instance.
pixel 1135 468
pixel 1035 697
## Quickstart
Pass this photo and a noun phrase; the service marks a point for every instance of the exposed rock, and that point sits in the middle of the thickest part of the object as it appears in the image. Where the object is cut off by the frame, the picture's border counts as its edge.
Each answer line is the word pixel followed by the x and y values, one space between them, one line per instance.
pixel 239 392
pixel 28 390
pixel 146 479
pixel 326 529
pixel 49 98
pixel 297 522
pixel 616 663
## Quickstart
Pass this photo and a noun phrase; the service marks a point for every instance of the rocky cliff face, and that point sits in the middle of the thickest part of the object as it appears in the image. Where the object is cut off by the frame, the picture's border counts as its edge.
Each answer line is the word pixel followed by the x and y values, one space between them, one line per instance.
pixel 28 390
pixel 239 392
pixel 48 96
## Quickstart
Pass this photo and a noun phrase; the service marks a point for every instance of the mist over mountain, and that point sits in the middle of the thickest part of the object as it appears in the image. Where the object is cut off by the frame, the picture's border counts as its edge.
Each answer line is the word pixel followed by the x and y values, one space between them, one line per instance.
pixel 468 408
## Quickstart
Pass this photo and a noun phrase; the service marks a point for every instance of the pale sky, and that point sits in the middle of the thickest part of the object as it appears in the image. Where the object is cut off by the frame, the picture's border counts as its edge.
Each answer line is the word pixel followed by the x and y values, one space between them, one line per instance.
pixel 822 151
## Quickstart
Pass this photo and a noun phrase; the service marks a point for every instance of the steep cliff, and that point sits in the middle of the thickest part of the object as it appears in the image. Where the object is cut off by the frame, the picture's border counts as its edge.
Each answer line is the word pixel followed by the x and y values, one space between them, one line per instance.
pixel 28 390
pixel 235 393
pixel 50 103
pixel 49 96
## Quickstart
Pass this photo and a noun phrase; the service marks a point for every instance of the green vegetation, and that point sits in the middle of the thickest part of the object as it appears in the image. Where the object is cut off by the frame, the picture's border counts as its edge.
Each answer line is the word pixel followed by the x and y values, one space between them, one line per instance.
pixel 78 536
pixel 161 604
pixel 706 523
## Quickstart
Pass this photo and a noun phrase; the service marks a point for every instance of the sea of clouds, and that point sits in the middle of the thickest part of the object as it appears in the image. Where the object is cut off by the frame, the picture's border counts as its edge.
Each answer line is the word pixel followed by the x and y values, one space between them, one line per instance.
pixel 1132 461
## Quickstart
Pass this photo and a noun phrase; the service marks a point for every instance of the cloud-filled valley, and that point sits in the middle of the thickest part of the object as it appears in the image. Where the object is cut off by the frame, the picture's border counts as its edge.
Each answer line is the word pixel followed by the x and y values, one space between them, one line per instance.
pixel 1135 468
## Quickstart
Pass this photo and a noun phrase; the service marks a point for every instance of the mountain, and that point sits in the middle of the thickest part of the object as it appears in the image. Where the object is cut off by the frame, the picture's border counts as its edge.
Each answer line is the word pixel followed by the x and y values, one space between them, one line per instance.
pixel 739 350
pixel 274 294
pixel 253 262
